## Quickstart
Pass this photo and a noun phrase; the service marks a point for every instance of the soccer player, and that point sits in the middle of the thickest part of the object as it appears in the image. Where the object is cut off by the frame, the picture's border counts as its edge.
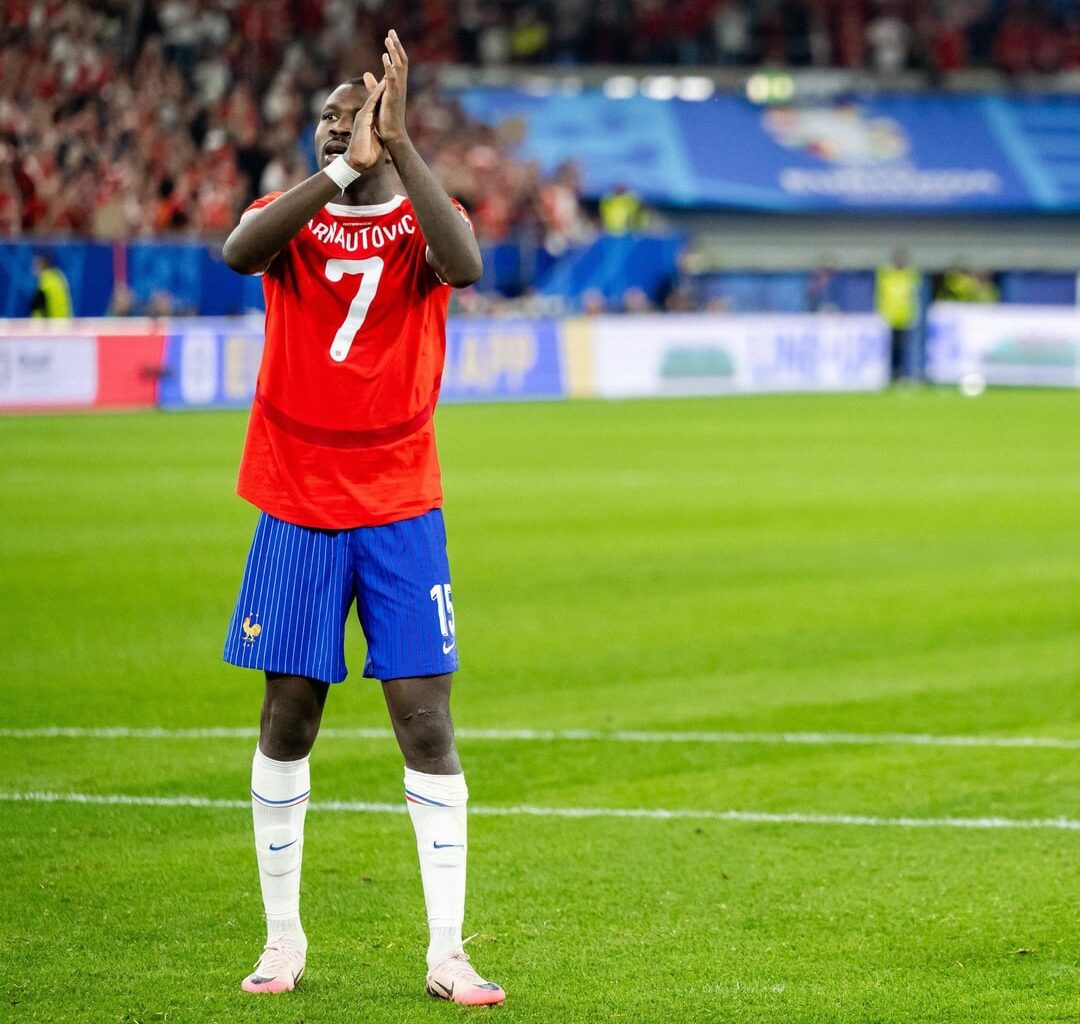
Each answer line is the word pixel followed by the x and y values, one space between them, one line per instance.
pixel 340 457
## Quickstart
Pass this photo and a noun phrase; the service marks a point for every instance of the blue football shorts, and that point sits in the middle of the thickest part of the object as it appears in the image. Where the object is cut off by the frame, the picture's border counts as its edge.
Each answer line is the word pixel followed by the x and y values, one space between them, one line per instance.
pixel 300 584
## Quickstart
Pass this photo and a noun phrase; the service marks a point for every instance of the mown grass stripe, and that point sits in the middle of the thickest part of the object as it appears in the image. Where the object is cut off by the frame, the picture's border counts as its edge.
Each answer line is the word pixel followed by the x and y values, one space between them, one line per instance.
pixel 528 810
pixel 575 735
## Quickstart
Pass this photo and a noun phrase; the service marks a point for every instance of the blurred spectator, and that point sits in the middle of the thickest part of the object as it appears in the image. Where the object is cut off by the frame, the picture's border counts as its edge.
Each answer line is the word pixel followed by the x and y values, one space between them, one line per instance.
pixel 850 34
pixel 52 298
pixel 961 285
pixel 122 302
pixel 1070 43
pixel 1014 44
pixel 889 37
pixel 529 35
pixel 593 302
pixel 898 300
pixel 987 291
pixel 622 211
pixel 681 299
pixel 681 293
pixel 126 120
pixel 161 305
pixel 731 32
pixel 560 211
pixel 947 41
pixel 822 290
pixel 10 193
pixel 819 37
pixel 635 300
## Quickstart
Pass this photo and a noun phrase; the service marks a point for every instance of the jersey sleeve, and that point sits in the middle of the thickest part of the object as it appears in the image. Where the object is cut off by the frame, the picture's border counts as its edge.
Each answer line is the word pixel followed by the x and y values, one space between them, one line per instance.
pixel 259 203
pixel 464 214
pixel 427 248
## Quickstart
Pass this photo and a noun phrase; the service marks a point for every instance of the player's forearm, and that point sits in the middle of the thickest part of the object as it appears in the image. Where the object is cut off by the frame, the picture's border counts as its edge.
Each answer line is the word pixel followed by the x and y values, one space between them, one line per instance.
pixel 451 241
pixel 263 233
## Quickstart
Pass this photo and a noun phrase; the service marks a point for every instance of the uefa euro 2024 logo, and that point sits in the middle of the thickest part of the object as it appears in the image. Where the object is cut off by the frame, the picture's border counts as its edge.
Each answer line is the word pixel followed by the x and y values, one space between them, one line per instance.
pixel 839 135
pixel 870 158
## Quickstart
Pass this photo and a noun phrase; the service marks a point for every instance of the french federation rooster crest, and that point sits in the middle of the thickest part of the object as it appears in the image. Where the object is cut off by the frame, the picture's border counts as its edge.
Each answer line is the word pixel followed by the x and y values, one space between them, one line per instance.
pixel 251 629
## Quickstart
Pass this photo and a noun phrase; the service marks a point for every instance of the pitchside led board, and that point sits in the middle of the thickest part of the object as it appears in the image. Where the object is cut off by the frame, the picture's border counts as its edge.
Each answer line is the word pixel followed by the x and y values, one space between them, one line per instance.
pixel 207 363
pixel 77 364
pixel 216 364
pixel 1030 346
pixel 609 357
pixel 641 356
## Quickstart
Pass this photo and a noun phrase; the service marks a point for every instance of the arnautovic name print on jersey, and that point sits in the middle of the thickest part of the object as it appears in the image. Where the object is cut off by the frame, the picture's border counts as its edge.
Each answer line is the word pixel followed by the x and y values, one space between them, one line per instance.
pixel 368 238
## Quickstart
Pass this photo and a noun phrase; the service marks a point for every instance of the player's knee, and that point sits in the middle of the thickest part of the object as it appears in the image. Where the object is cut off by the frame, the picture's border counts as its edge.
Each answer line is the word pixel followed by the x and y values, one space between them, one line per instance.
pixel 286 737
pixel 427 735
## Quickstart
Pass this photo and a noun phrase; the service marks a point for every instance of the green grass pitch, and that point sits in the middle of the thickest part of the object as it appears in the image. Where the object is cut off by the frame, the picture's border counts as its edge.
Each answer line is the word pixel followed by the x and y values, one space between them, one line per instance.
pixel 906 563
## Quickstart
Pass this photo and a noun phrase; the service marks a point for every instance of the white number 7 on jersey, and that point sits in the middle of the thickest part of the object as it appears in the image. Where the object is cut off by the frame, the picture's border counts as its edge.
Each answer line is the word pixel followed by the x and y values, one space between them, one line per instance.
pixel 370 270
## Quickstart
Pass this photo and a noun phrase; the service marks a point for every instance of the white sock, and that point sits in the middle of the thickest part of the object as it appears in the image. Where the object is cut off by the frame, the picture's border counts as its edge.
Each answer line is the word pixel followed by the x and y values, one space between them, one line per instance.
pixel 279 799
pixel 437 808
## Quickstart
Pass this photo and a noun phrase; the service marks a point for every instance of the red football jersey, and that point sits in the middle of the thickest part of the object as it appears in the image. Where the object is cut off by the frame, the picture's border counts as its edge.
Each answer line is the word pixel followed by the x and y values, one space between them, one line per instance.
pixel 341 431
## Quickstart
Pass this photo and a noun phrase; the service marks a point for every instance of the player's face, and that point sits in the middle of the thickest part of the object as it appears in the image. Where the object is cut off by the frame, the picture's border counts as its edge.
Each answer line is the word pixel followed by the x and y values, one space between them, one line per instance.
pixel 336 120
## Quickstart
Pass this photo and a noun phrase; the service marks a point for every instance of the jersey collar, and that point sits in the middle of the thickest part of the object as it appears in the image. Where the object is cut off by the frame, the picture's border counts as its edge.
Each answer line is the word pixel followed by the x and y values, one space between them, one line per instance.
pixel 340 210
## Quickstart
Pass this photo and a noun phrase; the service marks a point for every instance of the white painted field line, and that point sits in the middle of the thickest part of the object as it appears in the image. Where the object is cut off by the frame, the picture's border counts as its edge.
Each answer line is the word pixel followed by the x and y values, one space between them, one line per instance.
pixel 528 810
pixel 576 735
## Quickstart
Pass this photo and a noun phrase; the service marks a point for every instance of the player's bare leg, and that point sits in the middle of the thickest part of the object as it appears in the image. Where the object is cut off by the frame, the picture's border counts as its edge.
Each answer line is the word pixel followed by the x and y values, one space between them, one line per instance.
pixel 436 796
pixel 291 715
pixel 280 784
pixel 420 714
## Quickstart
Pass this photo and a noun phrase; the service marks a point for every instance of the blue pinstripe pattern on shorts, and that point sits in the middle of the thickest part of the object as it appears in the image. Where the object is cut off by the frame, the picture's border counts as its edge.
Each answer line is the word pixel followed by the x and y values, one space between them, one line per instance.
pixel 397 566
pixel 299 585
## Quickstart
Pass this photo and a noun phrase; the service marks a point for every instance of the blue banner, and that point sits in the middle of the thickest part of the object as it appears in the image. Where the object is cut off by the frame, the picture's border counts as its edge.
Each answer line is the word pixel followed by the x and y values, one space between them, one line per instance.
pixel 502 358
pixel 88 267
pixel 916 153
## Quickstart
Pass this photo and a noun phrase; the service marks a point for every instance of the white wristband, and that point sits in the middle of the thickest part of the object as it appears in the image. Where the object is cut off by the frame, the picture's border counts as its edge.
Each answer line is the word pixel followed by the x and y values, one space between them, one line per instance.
pixel 341 172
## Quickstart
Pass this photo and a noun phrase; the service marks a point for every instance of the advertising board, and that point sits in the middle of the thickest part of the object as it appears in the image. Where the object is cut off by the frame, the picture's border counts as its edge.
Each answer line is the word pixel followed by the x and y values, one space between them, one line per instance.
pixel 502 358
pixel 216 363
pixel 207 363
pixel 1030 346
pixel 211 363
pixel 640 356
pixel 78 364
pixel 55 371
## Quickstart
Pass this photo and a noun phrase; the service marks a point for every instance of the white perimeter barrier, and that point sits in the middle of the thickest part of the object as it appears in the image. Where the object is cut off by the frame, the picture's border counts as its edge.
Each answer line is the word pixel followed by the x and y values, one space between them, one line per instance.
pixel 214 362
pixel 688 354
pixel 1031 346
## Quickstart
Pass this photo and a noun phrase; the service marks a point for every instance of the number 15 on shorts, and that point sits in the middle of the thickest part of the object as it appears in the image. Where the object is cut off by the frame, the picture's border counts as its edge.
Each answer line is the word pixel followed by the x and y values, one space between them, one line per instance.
pixel 440 594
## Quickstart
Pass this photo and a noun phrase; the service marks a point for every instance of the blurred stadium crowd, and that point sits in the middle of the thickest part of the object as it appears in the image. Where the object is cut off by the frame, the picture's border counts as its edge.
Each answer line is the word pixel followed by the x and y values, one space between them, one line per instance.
pixel 125 119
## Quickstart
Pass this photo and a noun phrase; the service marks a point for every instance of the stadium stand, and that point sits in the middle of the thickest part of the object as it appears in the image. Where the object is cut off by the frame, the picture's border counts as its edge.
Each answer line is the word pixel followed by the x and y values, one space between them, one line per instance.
pixel 144 129
pixel 123 120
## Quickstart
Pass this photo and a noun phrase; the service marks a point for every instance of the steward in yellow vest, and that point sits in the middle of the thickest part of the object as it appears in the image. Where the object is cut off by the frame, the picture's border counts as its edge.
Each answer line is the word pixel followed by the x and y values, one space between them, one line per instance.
pixel 621 211
pixel 52 299
pixel 897 299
